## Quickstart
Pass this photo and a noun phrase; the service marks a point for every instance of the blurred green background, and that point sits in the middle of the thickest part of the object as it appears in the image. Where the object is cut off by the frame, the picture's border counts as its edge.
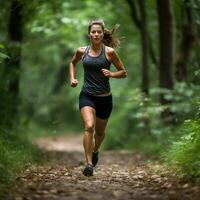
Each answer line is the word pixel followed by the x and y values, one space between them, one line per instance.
pixel 155 107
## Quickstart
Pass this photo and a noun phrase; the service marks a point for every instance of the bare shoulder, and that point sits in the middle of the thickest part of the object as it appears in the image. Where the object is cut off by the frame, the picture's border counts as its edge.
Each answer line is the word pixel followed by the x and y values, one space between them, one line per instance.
pixel 111 53
pixel 81 50
pixel 78 55
pixel 109 50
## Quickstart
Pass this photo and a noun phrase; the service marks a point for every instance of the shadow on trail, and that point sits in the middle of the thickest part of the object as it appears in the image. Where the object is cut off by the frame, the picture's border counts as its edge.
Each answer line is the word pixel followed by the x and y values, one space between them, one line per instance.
pixel 119 175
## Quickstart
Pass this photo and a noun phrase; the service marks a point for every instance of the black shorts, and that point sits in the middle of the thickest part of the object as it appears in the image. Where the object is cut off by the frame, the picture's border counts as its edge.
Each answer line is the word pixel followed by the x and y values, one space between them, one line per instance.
pixel 102 104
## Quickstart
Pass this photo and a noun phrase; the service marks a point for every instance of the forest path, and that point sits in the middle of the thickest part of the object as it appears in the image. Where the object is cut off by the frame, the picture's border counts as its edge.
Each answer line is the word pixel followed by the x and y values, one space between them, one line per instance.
pixel 119 175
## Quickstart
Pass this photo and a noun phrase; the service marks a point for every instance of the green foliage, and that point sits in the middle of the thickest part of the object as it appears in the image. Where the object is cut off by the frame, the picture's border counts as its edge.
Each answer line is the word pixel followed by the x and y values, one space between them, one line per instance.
pixel 136 123
pixel 2 55
pixel 184 99
pixel 184 154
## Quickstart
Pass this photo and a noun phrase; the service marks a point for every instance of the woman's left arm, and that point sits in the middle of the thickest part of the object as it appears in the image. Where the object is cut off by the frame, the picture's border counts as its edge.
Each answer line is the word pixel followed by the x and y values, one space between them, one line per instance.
pixel 121 71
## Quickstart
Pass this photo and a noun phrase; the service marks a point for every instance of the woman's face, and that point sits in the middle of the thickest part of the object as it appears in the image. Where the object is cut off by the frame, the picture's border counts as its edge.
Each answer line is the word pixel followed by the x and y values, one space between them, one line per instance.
pixel 96 34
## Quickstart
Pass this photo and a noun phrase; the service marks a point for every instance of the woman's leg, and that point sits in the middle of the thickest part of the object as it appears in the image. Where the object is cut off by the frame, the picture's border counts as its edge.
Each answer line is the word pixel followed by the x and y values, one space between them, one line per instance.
pixel 99 132
pixel 88 117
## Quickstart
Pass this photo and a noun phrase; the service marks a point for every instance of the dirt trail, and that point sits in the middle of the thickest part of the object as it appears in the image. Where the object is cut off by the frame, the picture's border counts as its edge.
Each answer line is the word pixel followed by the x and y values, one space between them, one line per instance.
pixel 120 175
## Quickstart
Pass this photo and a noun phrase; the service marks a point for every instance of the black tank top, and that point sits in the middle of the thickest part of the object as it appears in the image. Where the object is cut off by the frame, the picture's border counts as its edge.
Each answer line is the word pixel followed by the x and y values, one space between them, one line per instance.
pixel 95 83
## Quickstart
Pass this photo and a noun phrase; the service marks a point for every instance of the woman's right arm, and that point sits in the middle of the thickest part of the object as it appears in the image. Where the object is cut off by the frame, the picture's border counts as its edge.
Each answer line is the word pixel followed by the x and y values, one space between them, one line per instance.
pixel 72 65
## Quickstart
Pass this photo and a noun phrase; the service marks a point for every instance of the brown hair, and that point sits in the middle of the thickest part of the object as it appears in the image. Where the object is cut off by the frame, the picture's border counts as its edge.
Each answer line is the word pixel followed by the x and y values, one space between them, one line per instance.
pixel 108 39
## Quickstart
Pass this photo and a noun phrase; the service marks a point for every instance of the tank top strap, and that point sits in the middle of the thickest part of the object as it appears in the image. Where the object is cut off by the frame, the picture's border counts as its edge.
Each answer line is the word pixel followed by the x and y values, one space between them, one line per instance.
pixel 104 50
pixel 85 52
pixel 104 53
pixel 87 49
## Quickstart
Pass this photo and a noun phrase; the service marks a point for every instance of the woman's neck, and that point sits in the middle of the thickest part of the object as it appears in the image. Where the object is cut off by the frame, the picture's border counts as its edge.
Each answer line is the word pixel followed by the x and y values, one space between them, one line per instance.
pixel 96 47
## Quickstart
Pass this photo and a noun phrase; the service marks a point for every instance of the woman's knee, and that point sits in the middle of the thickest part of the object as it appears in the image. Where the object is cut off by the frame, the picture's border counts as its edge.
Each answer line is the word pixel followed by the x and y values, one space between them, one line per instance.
pixel 89 127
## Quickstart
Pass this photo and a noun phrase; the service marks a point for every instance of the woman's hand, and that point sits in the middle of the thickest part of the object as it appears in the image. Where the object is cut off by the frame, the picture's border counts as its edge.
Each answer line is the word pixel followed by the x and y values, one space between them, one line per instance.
pixel 106 72
pixel 73 82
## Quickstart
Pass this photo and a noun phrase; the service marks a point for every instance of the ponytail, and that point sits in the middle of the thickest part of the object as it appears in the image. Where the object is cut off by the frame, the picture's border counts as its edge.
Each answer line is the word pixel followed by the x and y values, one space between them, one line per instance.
pixel 109 39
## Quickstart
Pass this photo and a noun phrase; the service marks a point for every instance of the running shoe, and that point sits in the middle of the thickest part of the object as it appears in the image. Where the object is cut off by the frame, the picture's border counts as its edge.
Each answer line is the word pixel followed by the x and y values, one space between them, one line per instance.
pixel 88 171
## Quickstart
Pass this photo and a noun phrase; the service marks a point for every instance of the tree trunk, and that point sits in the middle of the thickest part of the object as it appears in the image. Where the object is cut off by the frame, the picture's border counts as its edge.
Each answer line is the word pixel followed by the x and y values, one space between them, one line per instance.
pixel 166 36
pixel 145 52
pixel 12 66
pixel 141 24
pixel 187 42
pixel 138 23
pixel 196 15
